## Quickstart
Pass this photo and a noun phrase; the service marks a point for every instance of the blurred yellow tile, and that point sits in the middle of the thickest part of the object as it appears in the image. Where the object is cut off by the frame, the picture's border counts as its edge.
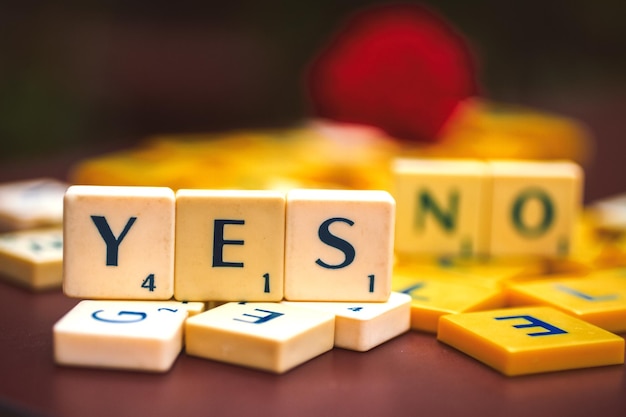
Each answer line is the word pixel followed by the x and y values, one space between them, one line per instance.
pixel 304 157
pixel 530 340
pixel 596 246
pixel 497 271
pixel 435 293
pixel 599 300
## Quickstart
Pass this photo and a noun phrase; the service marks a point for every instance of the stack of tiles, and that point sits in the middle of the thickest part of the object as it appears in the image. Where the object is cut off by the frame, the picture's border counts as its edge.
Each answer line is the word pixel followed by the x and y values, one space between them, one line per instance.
pixel 488 252
pixel 31 242
pixel 294 274
pixel 494 258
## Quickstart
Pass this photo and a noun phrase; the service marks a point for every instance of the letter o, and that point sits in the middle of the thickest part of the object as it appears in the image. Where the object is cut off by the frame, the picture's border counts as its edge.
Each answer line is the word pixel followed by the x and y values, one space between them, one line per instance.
pixel 548 213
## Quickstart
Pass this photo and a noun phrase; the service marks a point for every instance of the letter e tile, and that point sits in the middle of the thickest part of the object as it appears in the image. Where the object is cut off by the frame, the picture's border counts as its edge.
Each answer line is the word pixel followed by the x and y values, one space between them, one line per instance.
pixel 229 245
pixel 273 337
pixel 518 341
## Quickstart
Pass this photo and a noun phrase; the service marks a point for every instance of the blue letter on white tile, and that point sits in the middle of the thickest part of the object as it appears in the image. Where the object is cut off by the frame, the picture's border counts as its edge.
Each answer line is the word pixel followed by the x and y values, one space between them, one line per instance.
pixel 219 242
pixel 111 241
pixel 336 242
pixel 261 319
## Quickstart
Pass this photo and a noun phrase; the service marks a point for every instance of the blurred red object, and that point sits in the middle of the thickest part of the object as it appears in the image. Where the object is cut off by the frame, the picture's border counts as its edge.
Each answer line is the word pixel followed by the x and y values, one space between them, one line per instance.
pixel 401 68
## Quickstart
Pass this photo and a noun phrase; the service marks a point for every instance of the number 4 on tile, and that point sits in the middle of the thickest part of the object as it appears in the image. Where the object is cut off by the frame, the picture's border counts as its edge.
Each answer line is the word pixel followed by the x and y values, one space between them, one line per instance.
pixel 148 283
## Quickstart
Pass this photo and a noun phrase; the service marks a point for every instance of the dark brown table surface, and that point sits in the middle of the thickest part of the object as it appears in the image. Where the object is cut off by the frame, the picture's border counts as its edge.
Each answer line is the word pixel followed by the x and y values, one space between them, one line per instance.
pixel 412 375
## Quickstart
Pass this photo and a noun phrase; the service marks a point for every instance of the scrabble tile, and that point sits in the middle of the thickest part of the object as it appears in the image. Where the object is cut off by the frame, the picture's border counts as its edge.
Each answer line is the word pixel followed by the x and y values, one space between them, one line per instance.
pixel 273 337
pixel 131 335
pixel 31 204
pixel 435 292
pixel 229 245
pixel 534 206
pixel 363 326
pixel 518 341
pixel 32 258
pixel 610 213
pixel 495 271
pixel 441 206
pixel 339 245
pixel 592 247
pixel 119 242
pixel 597 299
pixel 604 245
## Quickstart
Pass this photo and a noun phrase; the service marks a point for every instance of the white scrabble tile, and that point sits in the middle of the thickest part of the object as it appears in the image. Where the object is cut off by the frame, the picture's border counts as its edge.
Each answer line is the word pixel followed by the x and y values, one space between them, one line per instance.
pixel 534 206
pixel 119 242
pixel 31 204
pixel 338 245
pixel 440 206
pixel 229 245
pixel 131 335
pixel 32 258
pixel 610 213
pixel 363 326
pixel 273 337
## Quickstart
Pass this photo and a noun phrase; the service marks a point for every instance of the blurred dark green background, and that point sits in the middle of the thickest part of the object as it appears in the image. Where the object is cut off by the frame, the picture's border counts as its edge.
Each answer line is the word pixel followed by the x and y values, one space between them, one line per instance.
pixel 77 74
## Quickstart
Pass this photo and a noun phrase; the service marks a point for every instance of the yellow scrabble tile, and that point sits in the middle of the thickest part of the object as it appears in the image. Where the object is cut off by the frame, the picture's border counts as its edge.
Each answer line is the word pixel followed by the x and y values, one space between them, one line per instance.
pixel 363 326
pixel 618 273
pixel 534 206
pixel 32 258
pixel 530 340
pixel 435 293
pixel 229 245
pixel 339 245
pixel 440 206
pixel 593 248
pixel 597 299
pixel 132 335
pixel 601 238
pixel 272 337
pixel 495 271
pixel 31 204
pixel 119 242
